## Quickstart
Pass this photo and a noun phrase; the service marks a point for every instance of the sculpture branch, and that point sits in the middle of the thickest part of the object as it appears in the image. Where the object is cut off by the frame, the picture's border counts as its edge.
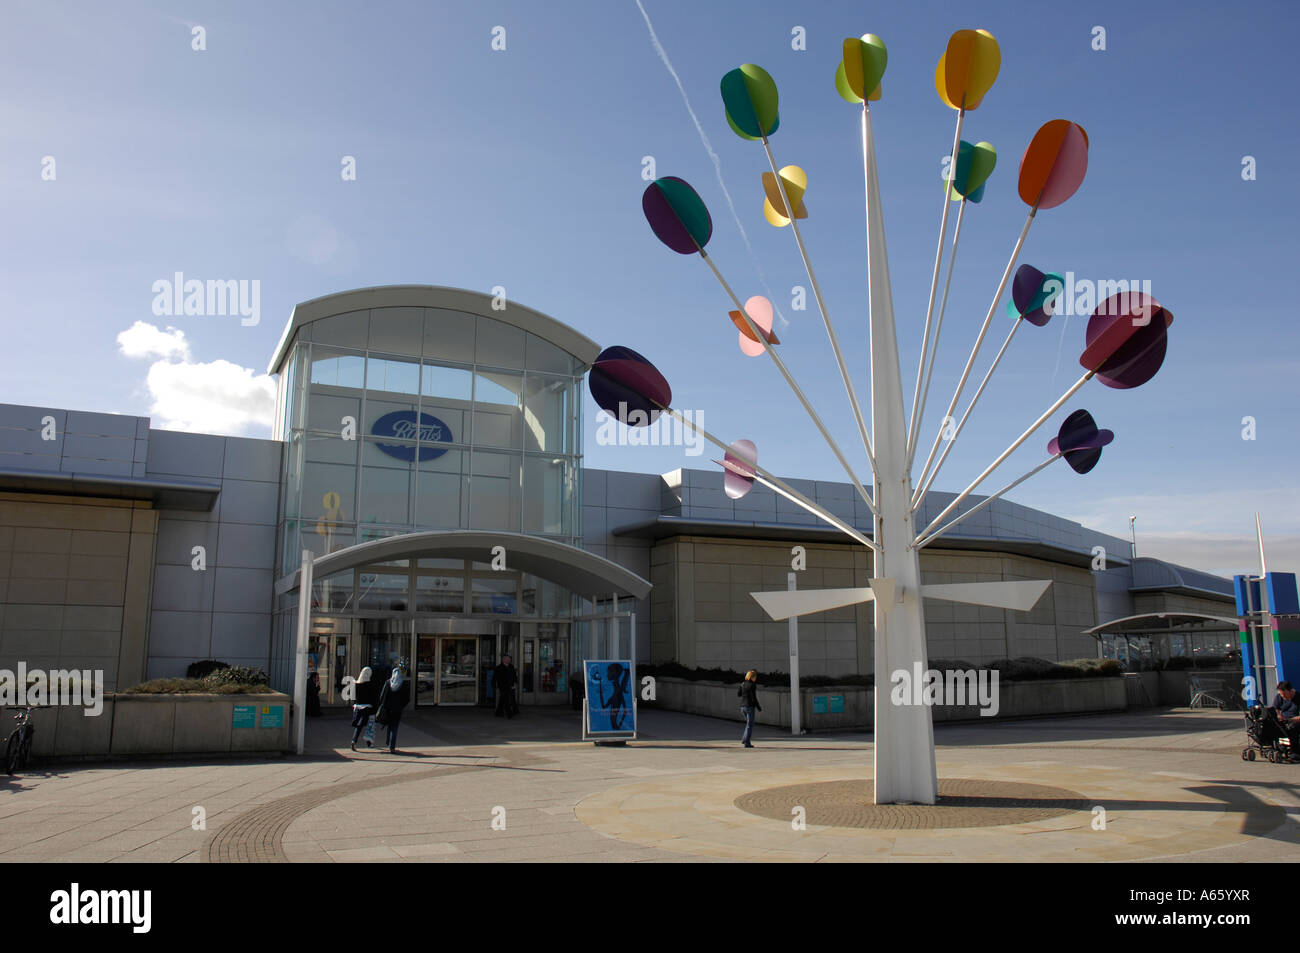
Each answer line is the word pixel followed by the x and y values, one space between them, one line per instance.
pixel 776 485
pixel 920 493
pixel 934 284
pixel 798 391
pixel 821 305
pixel 925 540
pixel 988 318
pixel 1006 453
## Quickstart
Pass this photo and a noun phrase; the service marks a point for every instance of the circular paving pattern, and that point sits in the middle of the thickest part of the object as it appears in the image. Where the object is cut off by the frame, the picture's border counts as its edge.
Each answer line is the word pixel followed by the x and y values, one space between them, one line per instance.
pixel 963 802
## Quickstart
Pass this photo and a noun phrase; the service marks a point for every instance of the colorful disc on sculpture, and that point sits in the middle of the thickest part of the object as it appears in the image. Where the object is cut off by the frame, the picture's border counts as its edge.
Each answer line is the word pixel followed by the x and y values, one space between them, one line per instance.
pixel 628 387
pixel 857 77
pixel 1079 441
pixel 677 215
pixel 738 468
pixel 974 166
pixel 967 68
pixel 1053 167
pixel 1126 339
pixel 750 99
pixel 1033 295
pixel 759 310
pixel 795 181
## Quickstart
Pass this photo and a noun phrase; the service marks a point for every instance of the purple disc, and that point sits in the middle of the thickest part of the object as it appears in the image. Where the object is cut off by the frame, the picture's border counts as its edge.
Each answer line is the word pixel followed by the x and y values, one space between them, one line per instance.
pixel 1079 441
pixel 623 382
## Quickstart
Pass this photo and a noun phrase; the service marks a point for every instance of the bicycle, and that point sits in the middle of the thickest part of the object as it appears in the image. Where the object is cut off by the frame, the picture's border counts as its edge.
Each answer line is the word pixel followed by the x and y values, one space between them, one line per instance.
pixel 19 749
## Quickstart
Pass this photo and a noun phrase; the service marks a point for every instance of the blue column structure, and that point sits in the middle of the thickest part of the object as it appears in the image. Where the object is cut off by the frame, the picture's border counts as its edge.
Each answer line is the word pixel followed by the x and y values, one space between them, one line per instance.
pixel 1269 625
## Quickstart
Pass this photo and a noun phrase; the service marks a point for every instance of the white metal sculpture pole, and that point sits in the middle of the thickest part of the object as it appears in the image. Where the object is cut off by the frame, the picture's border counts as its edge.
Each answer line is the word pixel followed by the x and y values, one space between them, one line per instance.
pixel 903 734
pixel 796 699
pixel 305 583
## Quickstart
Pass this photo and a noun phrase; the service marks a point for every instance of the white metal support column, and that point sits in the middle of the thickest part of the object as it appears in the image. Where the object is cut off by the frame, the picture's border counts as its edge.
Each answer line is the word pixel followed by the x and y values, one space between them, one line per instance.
pixel 300 664
pixel 796 700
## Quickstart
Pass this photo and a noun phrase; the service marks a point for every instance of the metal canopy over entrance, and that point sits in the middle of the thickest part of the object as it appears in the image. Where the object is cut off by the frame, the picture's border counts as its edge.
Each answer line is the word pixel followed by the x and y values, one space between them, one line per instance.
pixel 1156 632
pixel 575 569
pixel 450 668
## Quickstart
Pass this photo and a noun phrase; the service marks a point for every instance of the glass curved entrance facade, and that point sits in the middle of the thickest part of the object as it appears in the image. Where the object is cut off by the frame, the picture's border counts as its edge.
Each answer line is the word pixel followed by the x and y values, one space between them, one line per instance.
pixel 401 419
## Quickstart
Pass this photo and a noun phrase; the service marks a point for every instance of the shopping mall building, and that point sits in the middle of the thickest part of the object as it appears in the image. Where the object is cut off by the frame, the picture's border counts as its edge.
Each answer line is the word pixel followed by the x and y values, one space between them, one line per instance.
pixel 427 450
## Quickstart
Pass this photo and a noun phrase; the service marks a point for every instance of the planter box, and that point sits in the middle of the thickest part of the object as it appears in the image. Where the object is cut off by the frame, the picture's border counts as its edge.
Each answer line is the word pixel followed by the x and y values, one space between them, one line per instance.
pixel 166 726
pixel 1015 700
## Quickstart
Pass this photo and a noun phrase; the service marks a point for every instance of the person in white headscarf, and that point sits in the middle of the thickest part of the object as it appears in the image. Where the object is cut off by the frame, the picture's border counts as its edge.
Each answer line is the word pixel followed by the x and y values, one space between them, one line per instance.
pixel 363 709
pixel 392 699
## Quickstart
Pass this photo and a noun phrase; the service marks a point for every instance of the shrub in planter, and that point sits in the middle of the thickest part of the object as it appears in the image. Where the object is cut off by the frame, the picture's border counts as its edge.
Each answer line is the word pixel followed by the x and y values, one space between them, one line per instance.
pixel 237 675
pixel 204 668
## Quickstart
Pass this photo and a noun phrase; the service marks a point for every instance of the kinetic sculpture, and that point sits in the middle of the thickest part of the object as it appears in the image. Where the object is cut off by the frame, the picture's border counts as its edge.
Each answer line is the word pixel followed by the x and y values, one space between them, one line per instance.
pixel 1124 348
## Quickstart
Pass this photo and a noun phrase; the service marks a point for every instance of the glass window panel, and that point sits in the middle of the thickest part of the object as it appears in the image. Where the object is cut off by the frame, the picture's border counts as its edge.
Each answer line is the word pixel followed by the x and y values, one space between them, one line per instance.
pixel 546 495
pixel 331 448
pixel 293 451
pixel 498 405
pixel 447 564
pixel 334 593
pixel 442 492
pixel 545 356
pixel 494 594
pixel 529 591
pixel 329 483
pixel 325 411
pixel 548 412
pixel 386 482
pixel 388 376
pixel 495 491
pixel 397 330
pixel 336 368
pixel 449 335
pixel 401 428
pixel 383 591
pixel 450 383
pixel 343 330
pixel 440 594
pixel 307 535
pixel 499 344
pixel 446 395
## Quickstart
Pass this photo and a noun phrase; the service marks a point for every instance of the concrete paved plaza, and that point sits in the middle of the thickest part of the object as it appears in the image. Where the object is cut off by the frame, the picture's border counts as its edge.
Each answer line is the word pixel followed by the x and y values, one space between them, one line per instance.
pixel 1172 786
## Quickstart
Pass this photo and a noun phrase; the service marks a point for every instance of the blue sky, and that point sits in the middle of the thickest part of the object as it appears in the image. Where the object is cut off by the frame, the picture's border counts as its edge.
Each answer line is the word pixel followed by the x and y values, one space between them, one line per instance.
pixel 522 168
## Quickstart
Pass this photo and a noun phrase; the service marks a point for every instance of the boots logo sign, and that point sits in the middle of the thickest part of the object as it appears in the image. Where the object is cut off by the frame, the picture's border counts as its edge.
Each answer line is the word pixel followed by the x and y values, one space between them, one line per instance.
pixel 404 425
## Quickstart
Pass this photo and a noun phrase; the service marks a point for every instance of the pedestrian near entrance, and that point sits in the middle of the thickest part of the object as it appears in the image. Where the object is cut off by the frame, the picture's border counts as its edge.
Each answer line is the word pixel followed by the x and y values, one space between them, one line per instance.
pixel 313 694
pixel 749 705
pixel 393 697
pixel 363 709
pixel 503 685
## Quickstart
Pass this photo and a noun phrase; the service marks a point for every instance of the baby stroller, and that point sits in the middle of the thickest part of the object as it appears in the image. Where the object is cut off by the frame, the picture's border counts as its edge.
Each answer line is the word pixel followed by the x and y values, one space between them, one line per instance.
pixel 1267 737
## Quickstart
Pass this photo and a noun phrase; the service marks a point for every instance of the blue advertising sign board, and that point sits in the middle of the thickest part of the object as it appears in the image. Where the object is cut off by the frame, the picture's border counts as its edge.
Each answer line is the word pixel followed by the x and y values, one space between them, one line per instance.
pixel 837 704
pixel 244 716
pixel 403 425
pixel 611 705
pixel 819 704
pixel 272 716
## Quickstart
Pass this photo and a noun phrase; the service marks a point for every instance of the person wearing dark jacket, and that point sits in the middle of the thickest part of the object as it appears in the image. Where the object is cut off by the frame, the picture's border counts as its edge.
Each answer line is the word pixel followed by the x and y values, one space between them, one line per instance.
pixel 749 705
pixel 393 697
pixel 313 694
pixel 503 686
pixel 363 708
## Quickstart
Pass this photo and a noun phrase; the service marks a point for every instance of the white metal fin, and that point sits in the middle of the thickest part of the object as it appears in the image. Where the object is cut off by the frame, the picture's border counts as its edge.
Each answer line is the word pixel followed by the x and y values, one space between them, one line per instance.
pixel 785 603
pixel 1022 596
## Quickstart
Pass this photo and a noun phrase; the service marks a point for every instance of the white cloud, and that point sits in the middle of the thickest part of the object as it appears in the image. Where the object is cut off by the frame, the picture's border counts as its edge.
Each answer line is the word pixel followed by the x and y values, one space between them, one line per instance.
pixel 204 397
pixel 145 340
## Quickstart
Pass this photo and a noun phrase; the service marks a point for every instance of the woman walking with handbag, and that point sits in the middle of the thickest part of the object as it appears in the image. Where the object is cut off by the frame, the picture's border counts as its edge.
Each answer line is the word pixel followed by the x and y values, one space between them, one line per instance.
pixel 392 699
pixel 363 709
pixel 749 705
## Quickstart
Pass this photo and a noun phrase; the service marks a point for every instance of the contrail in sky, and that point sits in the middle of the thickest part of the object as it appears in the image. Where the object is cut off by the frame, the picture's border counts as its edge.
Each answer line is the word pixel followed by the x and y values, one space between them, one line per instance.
pixel 717 163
